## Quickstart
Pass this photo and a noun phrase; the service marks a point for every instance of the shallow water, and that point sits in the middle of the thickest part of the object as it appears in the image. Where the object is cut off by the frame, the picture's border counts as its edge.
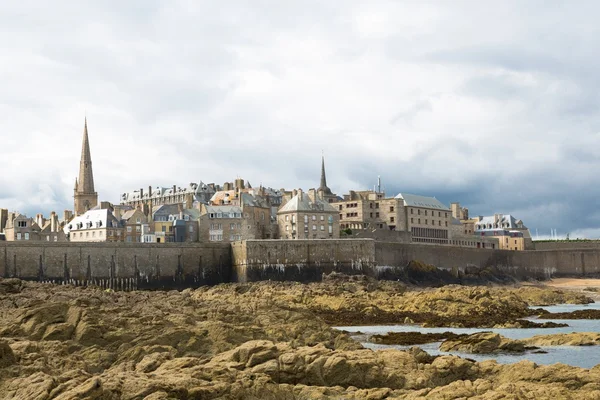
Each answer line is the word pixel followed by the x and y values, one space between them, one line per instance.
pixel 585 356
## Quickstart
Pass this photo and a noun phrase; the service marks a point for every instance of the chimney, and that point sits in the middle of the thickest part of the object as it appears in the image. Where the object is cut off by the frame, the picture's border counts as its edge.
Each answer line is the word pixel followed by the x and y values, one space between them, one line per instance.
pixel 312 194
pixel 300 194
pixel 180 208
pixel 174 188
pixel 141 193
pixel 149 191
pixel 294 193
pixel 53 221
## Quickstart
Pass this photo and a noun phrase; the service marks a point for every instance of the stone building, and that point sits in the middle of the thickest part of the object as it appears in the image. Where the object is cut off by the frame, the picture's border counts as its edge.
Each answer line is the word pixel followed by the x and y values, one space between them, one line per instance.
pixel 132 222
pixel 85 196
pixel 308 216
pixel 507 239
pixel 498 224
pixel 21 227
pixel 171 223
pixel 3 219
pixel 97 225
pixel 426 218
pixel 224 223
pixel 362 210
pixel 189 197
pixel 459 238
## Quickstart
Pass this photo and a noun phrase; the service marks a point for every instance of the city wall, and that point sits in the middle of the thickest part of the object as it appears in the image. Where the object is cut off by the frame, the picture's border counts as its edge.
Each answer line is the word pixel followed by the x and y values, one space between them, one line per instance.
pixel 308 260
pixel 567 245
pixel 121 266
pixel 125 266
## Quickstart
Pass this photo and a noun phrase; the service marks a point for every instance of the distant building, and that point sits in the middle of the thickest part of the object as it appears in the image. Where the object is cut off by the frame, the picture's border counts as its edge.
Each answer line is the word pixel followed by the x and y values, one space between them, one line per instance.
pixel 85 195
pixel 97 225
pixel 504 222
pixel 172 223
pixel 21 227
pixel 459 238
pixel 189 197
pixel 507 239
pixel 307 216
pixel 132 222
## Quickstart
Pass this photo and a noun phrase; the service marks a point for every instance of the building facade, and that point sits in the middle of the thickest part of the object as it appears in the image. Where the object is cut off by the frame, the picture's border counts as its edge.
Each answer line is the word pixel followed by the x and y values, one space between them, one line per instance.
pixel 97 225
pixel 307 216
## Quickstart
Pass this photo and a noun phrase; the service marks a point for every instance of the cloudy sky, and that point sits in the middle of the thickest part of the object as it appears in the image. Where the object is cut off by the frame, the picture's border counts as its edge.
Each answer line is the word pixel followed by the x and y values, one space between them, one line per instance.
pixel 493 104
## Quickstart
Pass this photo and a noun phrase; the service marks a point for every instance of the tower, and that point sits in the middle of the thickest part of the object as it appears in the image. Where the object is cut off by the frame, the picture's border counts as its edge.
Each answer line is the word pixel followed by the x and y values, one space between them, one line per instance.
pixel 324 191
pixel 85 195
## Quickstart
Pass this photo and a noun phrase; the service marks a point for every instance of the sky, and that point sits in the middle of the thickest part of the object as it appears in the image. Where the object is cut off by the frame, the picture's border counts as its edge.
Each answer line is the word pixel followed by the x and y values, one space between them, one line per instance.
pixel 492 104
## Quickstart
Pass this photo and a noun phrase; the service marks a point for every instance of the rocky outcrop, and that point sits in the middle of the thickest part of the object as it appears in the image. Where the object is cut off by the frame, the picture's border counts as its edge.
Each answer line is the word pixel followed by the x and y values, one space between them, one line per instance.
pixel 565 339
pixel 253 341
pixel 483 343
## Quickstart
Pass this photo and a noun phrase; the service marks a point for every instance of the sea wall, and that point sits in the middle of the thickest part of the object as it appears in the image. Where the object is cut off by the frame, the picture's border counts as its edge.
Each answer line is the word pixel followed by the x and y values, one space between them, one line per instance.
pixel 178 265
pixel 300 260
pixel 567 245
pixel 307 260
pixel 118 265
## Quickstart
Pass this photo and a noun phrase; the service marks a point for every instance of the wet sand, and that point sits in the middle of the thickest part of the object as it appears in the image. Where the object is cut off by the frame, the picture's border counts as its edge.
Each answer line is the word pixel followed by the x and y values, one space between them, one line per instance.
pixel 589 286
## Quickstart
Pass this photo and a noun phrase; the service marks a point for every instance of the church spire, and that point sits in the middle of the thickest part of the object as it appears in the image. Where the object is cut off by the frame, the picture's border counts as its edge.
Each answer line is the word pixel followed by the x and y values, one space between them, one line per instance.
pixel 86 176
pixel 323 187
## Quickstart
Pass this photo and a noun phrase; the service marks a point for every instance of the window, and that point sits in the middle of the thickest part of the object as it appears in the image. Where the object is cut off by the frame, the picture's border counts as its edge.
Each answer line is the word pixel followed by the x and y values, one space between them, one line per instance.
pixel 314 227
pixel 314 217
pixel 129 239
pixel 164 228
pixel 18 236
pixel 138 220
pixel 129 229
pixel 371 215
pixel 56 238
pixel 391 208
pixel 439 223
pixel 138 228
pixel 425 222
pixel 419 212
pixel 287 227
pixel 446 223
pixel 412 220
pixel 94 234
pixel 419 220
pixel 322 218
pixel 411 211
pixel 22 224
pixel 191 229
pixel 239 225
pixel 376 205
pixel 425 212
pixel 47 238
pixel 231 226
pixel 391 219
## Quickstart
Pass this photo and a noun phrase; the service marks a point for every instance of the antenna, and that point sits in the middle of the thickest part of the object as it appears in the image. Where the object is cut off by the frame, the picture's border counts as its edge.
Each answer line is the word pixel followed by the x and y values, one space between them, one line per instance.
pixel 378 183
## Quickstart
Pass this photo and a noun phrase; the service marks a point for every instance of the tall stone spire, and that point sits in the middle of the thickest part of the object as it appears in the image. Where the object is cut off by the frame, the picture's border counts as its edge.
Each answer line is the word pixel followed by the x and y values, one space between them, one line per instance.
pixel 86 176
pixel 85 194
pixel 323 187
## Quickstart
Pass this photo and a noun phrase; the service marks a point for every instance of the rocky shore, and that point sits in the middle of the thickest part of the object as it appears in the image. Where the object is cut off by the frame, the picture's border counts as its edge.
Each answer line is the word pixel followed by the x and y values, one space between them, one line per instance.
pixel 259 341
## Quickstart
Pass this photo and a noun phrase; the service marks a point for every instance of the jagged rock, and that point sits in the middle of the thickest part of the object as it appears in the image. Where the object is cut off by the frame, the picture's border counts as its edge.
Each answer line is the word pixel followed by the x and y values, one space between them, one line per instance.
pixel 7 357
pixel 565 339
pixel 482 343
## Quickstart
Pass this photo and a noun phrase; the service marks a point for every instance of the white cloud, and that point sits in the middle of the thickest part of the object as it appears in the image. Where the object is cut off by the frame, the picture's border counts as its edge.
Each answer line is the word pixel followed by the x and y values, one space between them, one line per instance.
pixel 492 104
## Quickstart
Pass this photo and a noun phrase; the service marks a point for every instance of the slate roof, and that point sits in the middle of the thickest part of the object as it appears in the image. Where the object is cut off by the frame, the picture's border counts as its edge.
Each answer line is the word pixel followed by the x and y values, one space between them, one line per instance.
pixel 304 203
pixel 413 200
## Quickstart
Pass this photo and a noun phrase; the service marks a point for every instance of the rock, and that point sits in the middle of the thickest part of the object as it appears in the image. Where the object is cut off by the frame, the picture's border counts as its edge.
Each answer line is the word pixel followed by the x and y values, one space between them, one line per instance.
pixel 565 339
pixel 482 343
pixel 7 357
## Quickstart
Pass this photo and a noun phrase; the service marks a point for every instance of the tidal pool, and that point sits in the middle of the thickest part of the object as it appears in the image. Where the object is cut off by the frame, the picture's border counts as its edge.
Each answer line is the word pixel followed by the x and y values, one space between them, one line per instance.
pixel 580 356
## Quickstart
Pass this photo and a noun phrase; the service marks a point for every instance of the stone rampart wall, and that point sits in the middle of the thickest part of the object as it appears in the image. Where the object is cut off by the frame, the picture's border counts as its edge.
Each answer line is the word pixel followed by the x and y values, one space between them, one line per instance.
pixel 300 260
pixel 308 260
pixel 131 266
pixel 571 245
pixel 118 265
